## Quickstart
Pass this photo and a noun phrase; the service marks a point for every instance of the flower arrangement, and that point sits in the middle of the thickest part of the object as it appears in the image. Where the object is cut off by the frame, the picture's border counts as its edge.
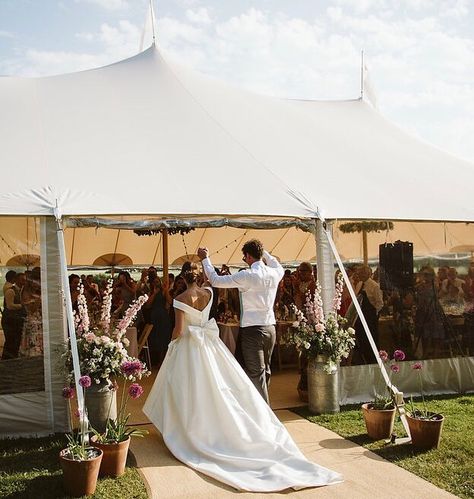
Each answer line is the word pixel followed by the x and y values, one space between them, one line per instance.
pixel 116 430
pixel 102 350
pixel 314 334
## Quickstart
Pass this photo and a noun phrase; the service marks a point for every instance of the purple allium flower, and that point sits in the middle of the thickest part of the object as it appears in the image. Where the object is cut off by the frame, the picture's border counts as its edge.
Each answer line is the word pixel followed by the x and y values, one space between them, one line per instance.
pixel 383 355
pixel 417 366
pixel 135 390
pixel 85 381
pixel 399 355
pixel 395 368
pixel 68 392
pixel 131 368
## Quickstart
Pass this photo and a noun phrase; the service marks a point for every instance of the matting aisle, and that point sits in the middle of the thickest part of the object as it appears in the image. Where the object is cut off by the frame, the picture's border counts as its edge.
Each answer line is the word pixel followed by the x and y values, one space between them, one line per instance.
pixel 365 473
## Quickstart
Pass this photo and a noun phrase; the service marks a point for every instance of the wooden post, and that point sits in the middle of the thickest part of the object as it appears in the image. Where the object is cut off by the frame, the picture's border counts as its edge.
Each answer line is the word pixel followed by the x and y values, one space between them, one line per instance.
pixel 164 233
pixel 364 247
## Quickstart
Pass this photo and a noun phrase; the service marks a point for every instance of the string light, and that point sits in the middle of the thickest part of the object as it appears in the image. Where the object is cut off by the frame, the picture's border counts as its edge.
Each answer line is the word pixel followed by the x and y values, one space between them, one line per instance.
pixel 228 244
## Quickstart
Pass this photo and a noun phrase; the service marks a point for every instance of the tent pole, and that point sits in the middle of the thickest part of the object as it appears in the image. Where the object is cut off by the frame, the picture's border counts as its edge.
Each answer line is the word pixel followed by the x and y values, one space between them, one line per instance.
pixel 84 423
pixel 365 250
pixel 165 258
pixel 325 266
pixel 398 396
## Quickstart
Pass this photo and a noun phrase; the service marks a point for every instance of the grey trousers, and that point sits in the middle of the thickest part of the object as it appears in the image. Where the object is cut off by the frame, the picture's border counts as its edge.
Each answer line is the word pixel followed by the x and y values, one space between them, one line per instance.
pixel 254 351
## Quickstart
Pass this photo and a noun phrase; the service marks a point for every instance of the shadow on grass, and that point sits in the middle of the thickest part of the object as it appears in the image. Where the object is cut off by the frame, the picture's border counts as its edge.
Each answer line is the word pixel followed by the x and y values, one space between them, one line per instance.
pixel 41 487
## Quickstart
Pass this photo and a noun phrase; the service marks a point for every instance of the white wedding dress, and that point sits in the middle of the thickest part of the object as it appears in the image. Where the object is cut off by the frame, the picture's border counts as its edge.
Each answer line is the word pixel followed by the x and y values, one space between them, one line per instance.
pixel 213 419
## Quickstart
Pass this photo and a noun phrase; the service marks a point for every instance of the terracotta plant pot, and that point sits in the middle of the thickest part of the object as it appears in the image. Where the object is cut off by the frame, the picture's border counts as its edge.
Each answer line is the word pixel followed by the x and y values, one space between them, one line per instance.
pixel 80 477
pixel 115 457
pixel 379 422
pixel 425 433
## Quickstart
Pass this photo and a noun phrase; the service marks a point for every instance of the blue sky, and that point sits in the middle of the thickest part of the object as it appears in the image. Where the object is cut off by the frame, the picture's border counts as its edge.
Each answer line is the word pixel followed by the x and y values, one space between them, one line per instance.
pixel 420 53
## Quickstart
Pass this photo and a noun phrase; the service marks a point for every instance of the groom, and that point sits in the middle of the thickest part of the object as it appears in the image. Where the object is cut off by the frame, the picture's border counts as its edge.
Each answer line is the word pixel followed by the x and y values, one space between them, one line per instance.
pixel 258 286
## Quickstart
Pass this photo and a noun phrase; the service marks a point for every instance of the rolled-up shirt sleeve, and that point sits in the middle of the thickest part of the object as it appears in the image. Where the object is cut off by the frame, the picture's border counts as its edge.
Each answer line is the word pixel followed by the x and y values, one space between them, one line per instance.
pixel 240 280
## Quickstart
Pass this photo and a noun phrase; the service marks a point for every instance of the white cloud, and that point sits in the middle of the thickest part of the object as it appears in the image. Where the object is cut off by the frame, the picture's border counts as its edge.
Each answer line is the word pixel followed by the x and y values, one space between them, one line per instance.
pixel 115 42
pixel 108 4
pixel 6 34
pixel 198 16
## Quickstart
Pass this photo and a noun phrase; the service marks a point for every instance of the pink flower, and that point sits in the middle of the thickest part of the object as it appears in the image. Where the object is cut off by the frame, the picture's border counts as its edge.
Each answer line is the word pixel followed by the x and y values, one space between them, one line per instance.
pixel 417 366
pixel 68 392
pixel 77 413
pixel 319 327
pixel 135 390
pixel 383 355
pixel 89 337
pixel 85 381
pixel 399 355
pixel 131 368
pixel 395 368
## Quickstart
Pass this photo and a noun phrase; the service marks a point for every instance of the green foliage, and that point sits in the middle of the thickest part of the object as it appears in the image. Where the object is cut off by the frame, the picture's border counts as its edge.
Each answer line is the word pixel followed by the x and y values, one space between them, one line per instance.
pixel 29 468
pixel 116 430
pixel 382 403
pixel 351 227
pixel 450 467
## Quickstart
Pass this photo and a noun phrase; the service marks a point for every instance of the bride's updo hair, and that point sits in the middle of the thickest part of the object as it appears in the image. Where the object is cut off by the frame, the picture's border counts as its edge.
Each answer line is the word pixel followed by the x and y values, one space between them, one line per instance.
pixel 190 272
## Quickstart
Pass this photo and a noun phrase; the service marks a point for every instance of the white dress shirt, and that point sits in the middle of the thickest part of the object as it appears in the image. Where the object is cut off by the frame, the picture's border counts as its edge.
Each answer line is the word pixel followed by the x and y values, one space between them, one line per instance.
pixel 257 285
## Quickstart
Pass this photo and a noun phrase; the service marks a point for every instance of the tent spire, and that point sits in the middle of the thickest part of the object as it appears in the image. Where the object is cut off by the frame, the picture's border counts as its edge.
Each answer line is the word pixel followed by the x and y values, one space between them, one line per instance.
pixel 149 24
pixel 361 74
pixel 152 15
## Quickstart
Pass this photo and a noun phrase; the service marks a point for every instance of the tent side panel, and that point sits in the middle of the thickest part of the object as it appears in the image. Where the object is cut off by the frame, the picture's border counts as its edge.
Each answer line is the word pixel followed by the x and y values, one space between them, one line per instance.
pixel 54 326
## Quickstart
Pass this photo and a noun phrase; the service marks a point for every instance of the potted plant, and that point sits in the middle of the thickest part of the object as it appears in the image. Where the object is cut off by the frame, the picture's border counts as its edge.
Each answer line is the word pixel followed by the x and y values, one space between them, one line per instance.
pixel 79 461
pixel 324 341
pixel 425 426
pixel 115 440
pixel 379 415
pixel 102 351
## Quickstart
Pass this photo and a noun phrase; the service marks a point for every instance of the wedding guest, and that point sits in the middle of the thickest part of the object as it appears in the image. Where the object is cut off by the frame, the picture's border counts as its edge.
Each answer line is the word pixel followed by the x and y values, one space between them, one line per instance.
pixel 126 289
pixel 285 298
pixel 303 283
pixel 170 280
pixel 451 279
pixel 429 318
pixel 160 335
pixel 32 334
pixel 371 302
pixel 441 276
pixel 13 315
pixel 142 286
pixel 74 282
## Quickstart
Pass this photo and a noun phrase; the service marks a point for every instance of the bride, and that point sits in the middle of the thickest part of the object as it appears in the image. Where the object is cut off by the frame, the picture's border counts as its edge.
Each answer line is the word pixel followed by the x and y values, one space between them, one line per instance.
pixel 212 417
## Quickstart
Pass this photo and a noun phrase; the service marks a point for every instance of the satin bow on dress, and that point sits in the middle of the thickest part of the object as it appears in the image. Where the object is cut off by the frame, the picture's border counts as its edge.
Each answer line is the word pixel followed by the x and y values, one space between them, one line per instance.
pixel 209 330
pixel 213 419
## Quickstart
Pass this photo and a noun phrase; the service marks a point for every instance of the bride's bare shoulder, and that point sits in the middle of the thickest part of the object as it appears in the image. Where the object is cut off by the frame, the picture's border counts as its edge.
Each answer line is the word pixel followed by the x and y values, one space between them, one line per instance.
pixel 183 297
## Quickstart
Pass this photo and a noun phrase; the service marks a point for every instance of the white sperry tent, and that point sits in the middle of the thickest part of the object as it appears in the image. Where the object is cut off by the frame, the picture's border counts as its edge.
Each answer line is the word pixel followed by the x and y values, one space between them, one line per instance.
pixel 144 143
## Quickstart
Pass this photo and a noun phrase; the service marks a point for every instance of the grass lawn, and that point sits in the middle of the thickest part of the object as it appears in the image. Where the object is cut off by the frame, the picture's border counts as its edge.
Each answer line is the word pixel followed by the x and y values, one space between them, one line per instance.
pixel 29 468
pixel 451 467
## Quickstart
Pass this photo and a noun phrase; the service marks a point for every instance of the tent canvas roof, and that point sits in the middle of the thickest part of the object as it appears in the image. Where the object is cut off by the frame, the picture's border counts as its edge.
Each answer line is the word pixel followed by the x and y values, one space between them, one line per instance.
pixel 145 136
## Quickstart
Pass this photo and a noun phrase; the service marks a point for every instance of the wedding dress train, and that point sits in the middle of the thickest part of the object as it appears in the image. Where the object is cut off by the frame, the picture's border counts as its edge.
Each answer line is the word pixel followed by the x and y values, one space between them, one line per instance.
pixel 213 419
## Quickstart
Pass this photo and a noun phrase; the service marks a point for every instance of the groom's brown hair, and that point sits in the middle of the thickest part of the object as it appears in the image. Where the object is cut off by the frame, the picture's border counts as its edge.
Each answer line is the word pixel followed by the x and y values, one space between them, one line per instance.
pixel 253 248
